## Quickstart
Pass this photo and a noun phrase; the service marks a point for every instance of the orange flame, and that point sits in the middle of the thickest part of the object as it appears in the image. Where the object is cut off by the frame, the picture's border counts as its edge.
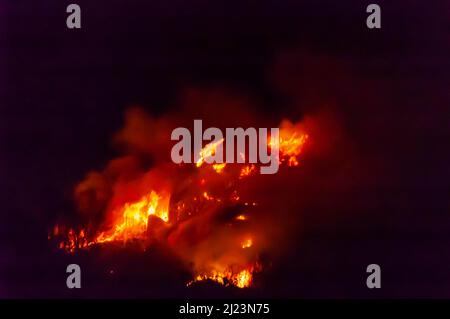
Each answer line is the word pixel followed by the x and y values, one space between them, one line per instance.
pixel 219 167
pixel 247 243
pixel 291 143
pixel 208 151
pixel 241 279
pixel 292 147
pixel 131 220
pixel 74 240
pixel 133 223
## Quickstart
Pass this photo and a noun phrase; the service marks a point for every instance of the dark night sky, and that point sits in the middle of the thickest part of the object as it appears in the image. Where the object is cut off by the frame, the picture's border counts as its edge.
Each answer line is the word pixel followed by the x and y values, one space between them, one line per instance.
pixel 64 93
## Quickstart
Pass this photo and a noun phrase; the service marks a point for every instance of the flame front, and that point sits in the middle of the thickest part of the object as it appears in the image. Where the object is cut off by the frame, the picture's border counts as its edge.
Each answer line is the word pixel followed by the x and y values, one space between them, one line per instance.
pixel 241 279
pixel 130 221
pixel 291 143
pixel 134 220
pixel 208 151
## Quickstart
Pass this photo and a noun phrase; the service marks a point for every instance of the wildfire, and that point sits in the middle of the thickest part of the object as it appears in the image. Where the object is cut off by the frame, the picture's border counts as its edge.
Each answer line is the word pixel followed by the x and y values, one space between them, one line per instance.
pixel 247 243
pixel 219 167
pixel 292 147
pixel 291 143
pixel 247 170
pixel 241 279
pixel 74 239
pixel 208 151
pixel 130 221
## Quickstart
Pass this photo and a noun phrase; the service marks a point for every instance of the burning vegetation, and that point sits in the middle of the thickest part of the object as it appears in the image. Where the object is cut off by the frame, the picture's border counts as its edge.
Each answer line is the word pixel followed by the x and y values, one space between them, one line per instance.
pixel 206 213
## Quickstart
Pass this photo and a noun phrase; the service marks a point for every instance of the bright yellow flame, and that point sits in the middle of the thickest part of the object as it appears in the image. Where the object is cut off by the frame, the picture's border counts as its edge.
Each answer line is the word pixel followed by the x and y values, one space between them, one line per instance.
pixel 241 217
pixel 134 219
pixel 242 279
pixel 207 197
pixel 247 243
pixel 208 151
pixel 292 147
pixel 291 142
pixel 73 241
pixel 219 167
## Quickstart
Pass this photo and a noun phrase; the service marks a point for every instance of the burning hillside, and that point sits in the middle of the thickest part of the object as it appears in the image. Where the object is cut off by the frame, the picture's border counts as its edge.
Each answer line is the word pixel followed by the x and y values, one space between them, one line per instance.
pixel 207 213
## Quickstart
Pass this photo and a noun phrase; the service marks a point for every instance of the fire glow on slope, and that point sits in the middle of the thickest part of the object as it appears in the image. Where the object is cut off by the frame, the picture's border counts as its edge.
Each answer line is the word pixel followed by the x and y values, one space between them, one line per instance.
pixel 130 220
pixel 135 218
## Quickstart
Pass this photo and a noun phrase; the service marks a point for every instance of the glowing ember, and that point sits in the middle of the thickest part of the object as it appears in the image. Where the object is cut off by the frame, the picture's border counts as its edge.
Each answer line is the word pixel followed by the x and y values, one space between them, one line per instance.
pixel 206 196
pixel 247 243
pixel 291 143
pixel 211 198
pixel 219 167
pixel 247 170
pixel 290 148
